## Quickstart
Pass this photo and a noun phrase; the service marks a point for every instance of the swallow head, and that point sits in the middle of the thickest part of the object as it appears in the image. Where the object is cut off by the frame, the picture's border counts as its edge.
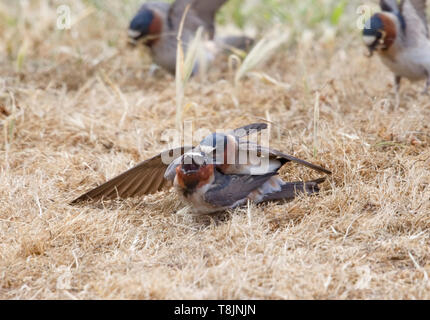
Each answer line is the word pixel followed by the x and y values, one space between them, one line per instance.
pixel 192 162
pixel 194 172
pixel 379 33
pixel 145 25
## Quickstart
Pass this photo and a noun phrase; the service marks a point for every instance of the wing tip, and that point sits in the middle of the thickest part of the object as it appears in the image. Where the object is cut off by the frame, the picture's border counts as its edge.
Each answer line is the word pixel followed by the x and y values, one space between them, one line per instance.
pixel 326 171
pixel 317 167
pixel 81 199
pixel 319 180
pixel 246 130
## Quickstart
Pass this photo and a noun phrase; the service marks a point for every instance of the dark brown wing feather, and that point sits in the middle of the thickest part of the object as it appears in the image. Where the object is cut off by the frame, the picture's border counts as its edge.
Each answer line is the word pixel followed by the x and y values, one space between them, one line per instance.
pixel 390 5
pixel 145 178
pixel 246 130
pixel 243 43
pixel 206 10
pixel 278 154
pixel 201 13
pixel 290 189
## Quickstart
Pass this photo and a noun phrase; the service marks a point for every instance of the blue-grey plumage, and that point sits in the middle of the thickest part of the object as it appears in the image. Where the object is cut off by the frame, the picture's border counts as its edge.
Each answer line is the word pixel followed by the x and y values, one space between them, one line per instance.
pixel 231 191
pixel 141 24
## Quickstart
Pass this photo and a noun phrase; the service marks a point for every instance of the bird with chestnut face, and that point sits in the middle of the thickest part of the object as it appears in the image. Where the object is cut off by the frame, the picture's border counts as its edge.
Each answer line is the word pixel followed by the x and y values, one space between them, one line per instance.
pixel 399 34
pixel 156 24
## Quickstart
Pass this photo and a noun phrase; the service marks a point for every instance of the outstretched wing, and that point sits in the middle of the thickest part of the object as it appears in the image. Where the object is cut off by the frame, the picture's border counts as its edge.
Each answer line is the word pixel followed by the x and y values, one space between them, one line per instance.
pixel 271 153
pixel 145 178
pixel 275 154
pixel 201 13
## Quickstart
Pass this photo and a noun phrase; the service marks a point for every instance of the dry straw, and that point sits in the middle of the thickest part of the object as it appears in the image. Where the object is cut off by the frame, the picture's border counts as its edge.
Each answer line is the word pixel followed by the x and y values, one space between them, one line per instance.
pixel 185 66
pixel 366 236
pixel 261 52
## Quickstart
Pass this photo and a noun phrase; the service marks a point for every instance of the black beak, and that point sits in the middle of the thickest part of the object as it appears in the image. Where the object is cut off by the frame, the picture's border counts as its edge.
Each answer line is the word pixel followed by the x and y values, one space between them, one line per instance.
pixel 190 168
pixel 372 48
pixel 191 164
pixel 133 37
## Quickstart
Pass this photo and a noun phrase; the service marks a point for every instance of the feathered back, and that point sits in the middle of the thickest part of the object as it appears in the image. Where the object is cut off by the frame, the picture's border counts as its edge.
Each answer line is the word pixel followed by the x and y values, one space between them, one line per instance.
pixel 201 13
pixel 420 7
pixel 413 18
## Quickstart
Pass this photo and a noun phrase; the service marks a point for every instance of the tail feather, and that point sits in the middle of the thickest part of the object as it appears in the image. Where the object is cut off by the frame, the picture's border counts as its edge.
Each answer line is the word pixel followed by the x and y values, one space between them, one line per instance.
pixel 290 190
pixel 237 42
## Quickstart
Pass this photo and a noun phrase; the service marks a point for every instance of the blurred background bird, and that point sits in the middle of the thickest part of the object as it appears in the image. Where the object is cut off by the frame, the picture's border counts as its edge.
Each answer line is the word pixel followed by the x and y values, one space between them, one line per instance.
pixel 157 24
pixel 400 36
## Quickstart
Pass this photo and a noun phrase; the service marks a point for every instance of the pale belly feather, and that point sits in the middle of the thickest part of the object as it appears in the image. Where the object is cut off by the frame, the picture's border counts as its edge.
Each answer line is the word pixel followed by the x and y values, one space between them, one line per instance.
pixel 411 63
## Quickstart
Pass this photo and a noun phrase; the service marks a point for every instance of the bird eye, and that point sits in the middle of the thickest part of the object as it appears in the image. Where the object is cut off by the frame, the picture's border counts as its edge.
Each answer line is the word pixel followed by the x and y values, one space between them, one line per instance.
pixel 381 34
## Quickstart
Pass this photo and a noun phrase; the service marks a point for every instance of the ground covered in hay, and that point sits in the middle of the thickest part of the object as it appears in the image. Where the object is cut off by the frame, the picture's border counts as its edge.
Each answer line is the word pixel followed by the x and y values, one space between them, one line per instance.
pixel 78 107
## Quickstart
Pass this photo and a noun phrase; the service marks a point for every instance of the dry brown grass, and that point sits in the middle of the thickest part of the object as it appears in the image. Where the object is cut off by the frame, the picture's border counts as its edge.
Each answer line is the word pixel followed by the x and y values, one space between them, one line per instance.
pixel 80 111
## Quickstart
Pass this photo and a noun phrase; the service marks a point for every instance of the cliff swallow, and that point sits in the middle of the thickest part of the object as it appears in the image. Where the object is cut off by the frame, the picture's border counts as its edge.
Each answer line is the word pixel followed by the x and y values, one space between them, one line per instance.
pixel 157 24
pixel 400 35
pixel 224 171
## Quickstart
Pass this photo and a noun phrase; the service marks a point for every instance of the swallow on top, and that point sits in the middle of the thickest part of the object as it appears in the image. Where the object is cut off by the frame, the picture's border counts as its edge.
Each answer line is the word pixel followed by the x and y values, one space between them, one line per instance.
pixel 400 35
pixel 157 23
pixel 209 177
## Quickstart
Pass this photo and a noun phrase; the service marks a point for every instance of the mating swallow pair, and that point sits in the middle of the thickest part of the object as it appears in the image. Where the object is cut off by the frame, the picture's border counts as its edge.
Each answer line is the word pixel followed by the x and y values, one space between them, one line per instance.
pixel 400 35
pixel 157 24
pixel 216 175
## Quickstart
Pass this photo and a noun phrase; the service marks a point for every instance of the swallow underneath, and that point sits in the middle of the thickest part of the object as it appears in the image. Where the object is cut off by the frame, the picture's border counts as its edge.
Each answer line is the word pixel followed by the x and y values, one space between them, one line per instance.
pixel 210 177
